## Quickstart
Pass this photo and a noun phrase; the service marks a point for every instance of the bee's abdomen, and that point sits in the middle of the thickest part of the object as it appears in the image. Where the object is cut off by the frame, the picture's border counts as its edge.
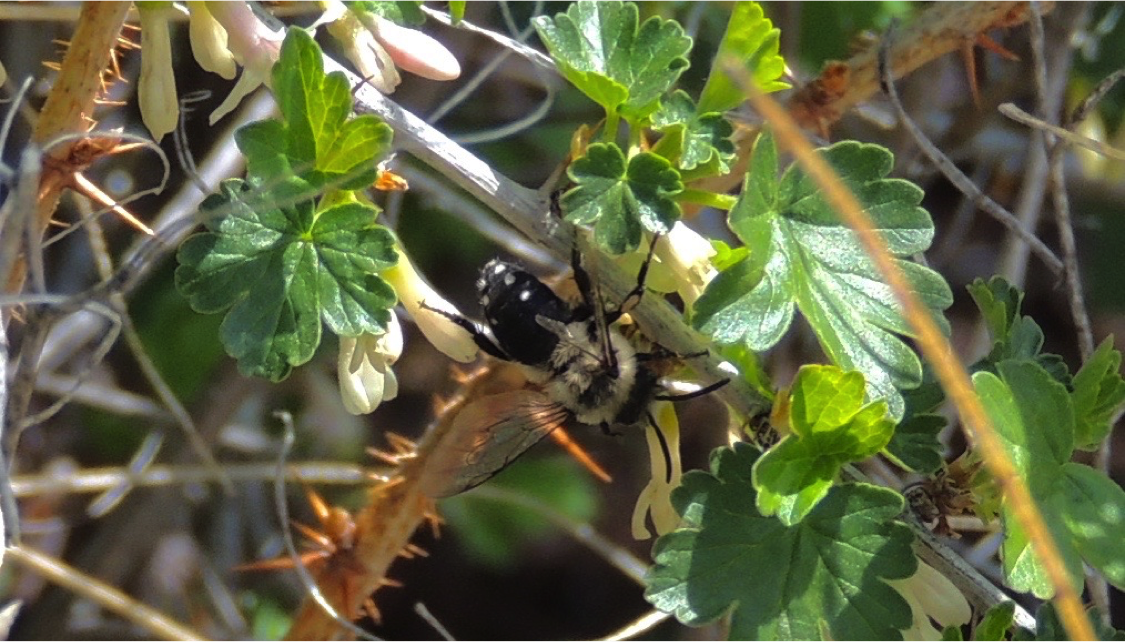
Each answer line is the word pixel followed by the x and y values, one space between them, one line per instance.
pixel 511 299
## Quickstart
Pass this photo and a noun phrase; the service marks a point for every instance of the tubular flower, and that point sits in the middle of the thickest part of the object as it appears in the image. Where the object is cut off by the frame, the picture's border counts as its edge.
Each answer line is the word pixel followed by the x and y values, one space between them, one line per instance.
pixel 656 498
pixel 209 41
pixel 369 57
pixel 156 91
pixel 376 45
pixel 931 597
pixel 687 255
pixel 364 368
pixel 422 302
pixel 252 44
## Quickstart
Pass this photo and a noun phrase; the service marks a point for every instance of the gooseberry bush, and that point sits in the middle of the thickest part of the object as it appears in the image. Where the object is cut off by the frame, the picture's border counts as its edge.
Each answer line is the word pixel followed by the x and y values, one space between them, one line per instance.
pixel 860 450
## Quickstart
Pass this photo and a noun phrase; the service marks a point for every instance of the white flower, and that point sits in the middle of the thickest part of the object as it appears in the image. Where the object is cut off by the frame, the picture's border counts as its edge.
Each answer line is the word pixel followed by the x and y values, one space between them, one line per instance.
pixel 656 498
pixel 209 41
pixel 364 368
pixel 369 57
pixel 413 292
pixel 931 596
pixel 413 50
pixel 687 255
pixel 375 45
pixel 252 44
pixel 156 91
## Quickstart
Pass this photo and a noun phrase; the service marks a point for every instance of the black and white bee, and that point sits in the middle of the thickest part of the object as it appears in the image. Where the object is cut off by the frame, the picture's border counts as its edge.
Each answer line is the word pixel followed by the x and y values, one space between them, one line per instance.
pixel 581 365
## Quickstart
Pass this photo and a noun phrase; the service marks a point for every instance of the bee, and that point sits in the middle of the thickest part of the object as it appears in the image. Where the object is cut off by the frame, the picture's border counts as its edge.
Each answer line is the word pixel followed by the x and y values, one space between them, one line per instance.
pixel 581 367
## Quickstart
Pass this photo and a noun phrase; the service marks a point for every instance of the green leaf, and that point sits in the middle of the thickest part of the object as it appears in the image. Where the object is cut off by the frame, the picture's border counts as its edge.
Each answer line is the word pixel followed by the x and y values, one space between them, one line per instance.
pixel 915 445
pixel 403 13
pixel 778 582
pixel 280 268
pixel 1099 392
pixel 1048 626
pixel 996 622
pixel 1095 518
pixel 698 143
pixel 830 427
pixel 457 11
pixel 1032 416
pixel 600 50
pixel 751 39
pixel 622 199
pixel 315 139
pixel 1014 336
pixel 802 256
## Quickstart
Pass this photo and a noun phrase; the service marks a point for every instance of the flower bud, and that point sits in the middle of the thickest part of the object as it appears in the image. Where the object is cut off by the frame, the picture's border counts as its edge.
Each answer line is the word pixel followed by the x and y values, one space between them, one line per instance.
pixel 413 292
pixel 156 90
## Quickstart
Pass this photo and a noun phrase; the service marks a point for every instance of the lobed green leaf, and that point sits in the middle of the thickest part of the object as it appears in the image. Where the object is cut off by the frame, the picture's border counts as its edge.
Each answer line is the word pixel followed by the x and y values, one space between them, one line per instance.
pixel 751 39
pixel 620 199
pixel 600 50
pixel 777 582
pixel 802 256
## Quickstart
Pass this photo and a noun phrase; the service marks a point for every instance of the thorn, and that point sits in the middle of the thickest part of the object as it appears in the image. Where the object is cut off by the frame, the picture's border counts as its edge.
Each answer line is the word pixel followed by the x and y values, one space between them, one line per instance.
pixel 575 450
pixel 319 506
pixel 435 521
pixel 83 185
pixel 386 581
pixel 968 56
pixel 416 550
pixel 320 538
pixel 372 611
pixel 383 456
pixel 403 446
pixel 386 484
pixel 988 43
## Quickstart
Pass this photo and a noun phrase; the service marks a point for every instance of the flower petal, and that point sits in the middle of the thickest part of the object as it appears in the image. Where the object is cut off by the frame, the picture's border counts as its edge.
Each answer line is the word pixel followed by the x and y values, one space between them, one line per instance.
pixel 413 291
pixel 415 51
pixel 156 90
pixel 209 41
pixel 656 498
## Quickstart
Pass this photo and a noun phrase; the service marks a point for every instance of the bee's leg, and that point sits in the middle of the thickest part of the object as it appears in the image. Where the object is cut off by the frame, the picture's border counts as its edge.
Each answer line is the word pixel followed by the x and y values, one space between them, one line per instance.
pixel 705 390
pixel 608 431
pixel 633 299
pixel 583 281
pixel 664 449
pixel 483 341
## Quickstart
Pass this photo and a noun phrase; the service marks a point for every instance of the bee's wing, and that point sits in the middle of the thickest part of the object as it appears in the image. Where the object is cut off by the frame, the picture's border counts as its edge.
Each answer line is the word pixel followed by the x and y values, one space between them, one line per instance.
pixel 486 436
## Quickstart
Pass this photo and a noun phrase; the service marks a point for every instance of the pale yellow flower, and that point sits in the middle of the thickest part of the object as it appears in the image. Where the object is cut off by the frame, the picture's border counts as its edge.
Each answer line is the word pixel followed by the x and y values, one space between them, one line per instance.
pixel 156 90
pixel 209 41
pixel 376 46
pixel 656 498
pixel 931 597
pixel 413 292
pixel 687 255
pixel 364 368
pixel 252 44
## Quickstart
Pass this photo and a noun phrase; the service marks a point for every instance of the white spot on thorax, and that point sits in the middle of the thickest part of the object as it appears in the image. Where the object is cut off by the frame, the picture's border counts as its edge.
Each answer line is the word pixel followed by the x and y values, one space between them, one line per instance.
pixel 509 279
pixel 525 295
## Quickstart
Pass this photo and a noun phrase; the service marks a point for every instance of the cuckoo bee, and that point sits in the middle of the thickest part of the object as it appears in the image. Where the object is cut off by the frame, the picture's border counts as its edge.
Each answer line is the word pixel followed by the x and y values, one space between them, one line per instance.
pixel 581 367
